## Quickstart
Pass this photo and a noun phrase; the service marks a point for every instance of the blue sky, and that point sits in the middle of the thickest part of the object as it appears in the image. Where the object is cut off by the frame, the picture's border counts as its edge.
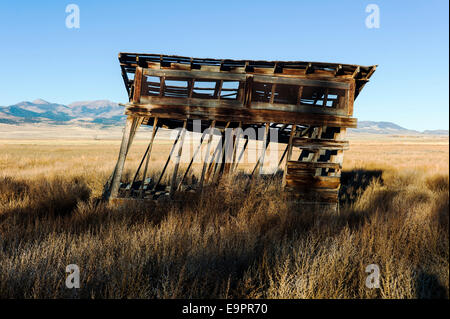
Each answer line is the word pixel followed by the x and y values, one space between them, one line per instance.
pixel 41 58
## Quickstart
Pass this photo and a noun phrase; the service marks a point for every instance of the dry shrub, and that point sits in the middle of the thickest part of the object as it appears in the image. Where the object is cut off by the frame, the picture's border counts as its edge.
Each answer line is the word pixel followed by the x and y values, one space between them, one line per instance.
pixel 11 189
pixel 240 239
pixel 437 183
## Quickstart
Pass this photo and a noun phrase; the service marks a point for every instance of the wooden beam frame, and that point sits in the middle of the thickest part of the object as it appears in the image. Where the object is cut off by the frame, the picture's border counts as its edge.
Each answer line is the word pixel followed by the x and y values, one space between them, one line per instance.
pixel 192 159
pixel 177 161
pixel 168 160
pixel 208 148
pixel 132 123
pixel 260 162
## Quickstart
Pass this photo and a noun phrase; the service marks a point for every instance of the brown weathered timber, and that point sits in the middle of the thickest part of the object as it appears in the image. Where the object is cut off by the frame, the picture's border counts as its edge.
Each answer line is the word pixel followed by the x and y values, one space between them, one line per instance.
pixel 243 115
pixel 308 104
pixel 312 165
pixel 177 161
pixel 317 143
pixel 128 134
pixel 147 154
pixel 302 181
pixel 208 148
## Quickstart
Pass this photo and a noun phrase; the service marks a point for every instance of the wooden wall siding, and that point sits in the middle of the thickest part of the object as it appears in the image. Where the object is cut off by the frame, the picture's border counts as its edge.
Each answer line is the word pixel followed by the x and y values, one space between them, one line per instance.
pixel 315 174
pixel 129 62
pixel 309 104
pixel 223 89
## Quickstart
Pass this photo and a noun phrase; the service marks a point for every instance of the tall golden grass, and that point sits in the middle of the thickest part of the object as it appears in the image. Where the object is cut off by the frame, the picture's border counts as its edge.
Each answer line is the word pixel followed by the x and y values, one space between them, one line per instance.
pixel 240 240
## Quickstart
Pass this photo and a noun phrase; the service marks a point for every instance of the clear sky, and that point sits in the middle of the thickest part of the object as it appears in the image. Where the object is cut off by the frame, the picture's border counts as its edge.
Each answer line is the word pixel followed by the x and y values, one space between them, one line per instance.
pixel 41 58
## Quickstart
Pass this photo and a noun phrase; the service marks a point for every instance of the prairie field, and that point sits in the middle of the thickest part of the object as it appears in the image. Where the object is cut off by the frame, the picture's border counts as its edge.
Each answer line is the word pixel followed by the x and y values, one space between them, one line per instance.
pixel 240 239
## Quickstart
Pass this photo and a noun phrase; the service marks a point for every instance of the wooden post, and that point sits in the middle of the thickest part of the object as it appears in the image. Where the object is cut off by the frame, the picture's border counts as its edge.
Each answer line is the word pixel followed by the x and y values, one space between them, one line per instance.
pixel 236 145
pixel 223 154
pixel 240 155
pixel 177 161
pixel 217 156
pixel 231 157
pixel 107 187
pixel 140 164
pixel 281 159
pixel 192 159
pixel 149 151
pixel 260 162
pixel 220 165
pixel 214 159
pixel 168 159
pixel 208 148
pixel 289 153
pixel 126 139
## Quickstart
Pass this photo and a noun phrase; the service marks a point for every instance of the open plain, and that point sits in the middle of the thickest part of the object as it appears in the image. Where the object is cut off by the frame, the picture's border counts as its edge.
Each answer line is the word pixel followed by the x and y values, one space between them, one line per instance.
pixel 394 213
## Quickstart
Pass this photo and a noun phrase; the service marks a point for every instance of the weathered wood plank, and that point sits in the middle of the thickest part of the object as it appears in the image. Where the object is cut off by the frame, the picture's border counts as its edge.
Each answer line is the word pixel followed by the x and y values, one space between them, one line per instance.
pixel 243 115
pixel 173 182
pixel 289 153
pixel 316 143
pixel 196 74
pixel 156 100
pixel 302 182
pixel 300 81
pixel 137 85
pixel 312 165
pixel 192 159
pixel 259 78
pixel 125 145
pixel 168 159
pixel 208 148
pixel 299 108
pixel 147 154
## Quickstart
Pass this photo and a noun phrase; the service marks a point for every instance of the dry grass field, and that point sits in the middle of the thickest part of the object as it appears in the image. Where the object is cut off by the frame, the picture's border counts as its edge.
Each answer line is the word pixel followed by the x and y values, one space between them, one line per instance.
pixel 240 241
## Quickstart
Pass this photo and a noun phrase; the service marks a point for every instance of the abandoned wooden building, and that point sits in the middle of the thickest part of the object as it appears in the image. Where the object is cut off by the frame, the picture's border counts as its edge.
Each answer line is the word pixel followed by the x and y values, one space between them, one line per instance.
pixel 309 104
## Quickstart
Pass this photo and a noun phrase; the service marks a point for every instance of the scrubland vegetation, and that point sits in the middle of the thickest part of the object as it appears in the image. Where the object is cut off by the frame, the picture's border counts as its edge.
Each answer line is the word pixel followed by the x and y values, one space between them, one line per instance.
pixel 241 240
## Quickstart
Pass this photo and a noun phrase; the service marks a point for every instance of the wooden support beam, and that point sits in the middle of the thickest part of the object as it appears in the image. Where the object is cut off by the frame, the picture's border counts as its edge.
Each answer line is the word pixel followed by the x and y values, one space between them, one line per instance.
pixel 191 84
pixel 303 182
pixel 107 187
pixel 218 152
pixel 219 163
pixel 317 134
pixel 128 134
pixel 224 153
pixel 299 96
pixel 260 78
pixel 208 148
pixel 325 98
pixel 147 154
pixel 272 93
pixel 177 161
pixel 241 155
pixel 137 85
pixel 318 144
pixel 192 159
pixel 233 111
pixel 289 153
pixel 281 160
pixel 218 89
pixel 168 160
pixel 295 165
pixel 213 160
pixel 260 162
pixel 236 139
pixel 162 86
pixel 265 147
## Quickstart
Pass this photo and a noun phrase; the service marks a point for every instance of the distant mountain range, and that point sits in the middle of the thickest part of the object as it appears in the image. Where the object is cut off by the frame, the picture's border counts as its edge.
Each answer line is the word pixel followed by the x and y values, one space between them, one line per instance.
pixel 101 112
pixel 107 113
pixel 370 127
